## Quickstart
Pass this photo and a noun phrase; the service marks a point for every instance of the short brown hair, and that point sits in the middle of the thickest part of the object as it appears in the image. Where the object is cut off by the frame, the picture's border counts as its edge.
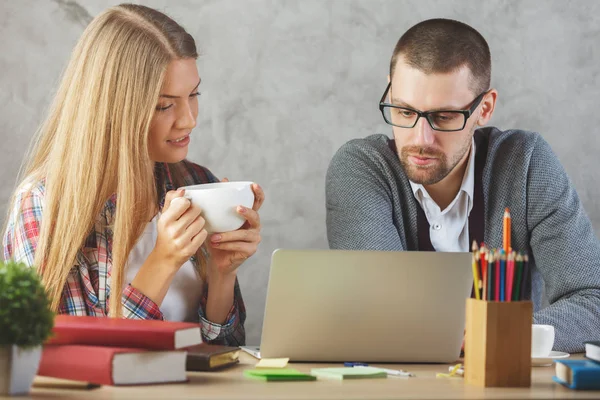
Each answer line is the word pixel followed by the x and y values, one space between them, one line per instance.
pixel 444 45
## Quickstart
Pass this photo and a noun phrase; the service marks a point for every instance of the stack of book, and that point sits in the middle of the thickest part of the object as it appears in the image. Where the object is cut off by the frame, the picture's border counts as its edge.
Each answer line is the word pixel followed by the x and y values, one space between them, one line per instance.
pixel 110 351
pixel 581 374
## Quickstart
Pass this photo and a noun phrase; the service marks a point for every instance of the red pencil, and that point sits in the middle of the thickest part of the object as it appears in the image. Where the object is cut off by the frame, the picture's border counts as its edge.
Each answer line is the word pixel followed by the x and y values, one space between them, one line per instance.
pixel 510 273
pixel 486 258
pixel 497 281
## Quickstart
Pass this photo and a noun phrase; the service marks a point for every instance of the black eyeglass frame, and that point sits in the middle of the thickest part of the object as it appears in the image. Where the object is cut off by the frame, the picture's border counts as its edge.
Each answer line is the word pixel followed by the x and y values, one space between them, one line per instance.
pixel 426 114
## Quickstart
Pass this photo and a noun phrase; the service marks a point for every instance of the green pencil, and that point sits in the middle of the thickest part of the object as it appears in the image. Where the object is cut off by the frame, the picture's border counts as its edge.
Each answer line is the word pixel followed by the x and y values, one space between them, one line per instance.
pixel 490 277
pixel 519 277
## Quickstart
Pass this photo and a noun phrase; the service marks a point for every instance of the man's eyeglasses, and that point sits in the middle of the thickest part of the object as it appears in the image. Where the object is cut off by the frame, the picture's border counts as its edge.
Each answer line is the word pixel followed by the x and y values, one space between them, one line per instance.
pixel 439 120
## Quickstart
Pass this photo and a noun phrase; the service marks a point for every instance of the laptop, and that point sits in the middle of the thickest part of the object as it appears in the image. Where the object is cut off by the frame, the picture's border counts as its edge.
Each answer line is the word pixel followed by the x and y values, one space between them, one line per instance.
pixel 366 306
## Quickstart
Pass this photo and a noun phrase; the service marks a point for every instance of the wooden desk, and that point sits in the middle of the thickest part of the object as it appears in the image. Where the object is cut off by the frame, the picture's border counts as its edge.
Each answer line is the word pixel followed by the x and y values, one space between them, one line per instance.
pixel 231 384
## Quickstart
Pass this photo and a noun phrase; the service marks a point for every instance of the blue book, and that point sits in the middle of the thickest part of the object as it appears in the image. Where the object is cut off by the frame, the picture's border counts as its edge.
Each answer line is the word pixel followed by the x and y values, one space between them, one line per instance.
pixel 578 374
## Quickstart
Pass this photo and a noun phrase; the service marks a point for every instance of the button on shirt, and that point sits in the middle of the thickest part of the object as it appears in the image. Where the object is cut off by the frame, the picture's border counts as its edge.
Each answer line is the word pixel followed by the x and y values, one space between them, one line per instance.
pixel 449 228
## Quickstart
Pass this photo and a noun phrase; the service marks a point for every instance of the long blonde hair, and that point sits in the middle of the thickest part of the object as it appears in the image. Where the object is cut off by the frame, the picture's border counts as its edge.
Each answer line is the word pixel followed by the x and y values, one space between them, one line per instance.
pixel 95 140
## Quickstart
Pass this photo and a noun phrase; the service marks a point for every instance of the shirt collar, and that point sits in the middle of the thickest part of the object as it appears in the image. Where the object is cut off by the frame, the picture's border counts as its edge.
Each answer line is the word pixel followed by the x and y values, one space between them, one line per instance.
pixel 467 185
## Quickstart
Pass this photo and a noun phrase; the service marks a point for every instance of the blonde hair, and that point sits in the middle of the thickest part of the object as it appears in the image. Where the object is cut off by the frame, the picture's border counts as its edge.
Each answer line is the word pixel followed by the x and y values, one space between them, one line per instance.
pixel 95 140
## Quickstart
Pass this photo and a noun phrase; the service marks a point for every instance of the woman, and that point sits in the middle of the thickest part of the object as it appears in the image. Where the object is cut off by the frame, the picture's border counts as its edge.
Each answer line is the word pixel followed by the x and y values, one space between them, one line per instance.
pixel 96 212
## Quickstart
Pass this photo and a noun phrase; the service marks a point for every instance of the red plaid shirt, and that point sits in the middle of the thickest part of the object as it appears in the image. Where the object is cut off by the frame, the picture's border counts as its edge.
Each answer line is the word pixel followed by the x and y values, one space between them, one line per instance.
pixel 87 289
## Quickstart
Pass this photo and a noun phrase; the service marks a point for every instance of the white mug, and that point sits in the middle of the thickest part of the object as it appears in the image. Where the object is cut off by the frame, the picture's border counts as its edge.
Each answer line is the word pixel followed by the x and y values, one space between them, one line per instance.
pixel 219 201
pixel 542 340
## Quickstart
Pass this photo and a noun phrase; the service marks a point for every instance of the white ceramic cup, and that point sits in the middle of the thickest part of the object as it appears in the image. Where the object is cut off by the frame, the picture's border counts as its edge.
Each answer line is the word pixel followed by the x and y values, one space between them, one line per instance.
pixel 219 202
pixel 542 340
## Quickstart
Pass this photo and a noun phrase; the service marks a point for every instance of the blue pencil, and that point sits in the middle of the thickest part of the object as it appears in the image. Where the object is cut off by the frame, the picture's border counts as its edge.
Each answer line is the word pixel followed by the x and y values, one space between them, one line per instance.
pixel 502 275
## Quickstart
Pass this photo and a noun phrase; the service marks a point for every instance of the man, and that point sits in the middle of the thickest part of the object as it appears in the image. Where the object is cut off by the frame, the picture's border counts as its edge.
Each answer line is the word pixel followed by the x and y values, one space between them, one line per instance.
pixel 445 181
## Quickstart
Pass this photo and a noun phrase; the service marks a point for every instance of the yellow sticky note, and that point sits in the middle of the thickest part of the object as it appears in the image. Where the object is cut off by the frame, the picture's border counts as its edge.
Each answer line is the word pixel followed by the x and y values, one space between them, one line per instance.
pixel 273 363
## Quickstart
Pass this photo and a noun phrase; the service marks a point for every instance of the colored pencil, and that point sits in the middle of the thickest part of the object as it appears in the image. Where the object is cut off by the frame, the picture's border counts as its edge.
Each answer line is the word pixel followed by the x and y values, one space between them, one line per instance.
pixel 502 275
pixel 490 277
pixel 485 278
pixel 475 270
pixel 519 275
pixel 525 278
pixel 510 274
pixel 506 231
pixel 479 271
pixel 484 261
pixel 497 278
pixel 475 278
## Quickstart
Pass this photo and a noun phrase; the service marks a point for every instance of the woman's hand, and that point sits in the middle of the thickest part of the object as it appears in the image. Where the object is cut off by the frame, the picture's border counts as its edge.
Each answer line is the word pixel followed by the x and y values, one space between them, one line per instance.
pixel 180 230
pixel 180 234
pixel 230 249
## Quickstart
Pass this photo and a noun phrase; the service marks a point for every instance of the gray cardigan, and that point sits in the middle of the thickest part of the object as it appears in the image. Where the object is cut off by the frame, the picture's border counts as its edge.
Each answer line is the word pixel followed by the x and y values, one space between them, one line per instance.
pixel 370 205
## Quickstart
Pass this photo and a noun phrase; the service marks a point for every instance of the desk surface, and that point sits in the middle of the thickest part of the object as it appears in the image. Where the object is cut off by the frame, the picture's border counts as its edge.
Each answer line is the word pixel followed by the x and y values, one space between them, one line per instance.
pixel 231 384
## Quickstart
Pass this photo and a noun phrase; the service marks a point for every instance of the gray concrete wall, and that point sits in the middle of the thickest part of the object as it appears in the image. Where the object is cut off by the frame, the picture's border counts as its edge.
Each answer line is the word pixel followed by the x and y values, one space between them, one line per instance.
pixel 285 83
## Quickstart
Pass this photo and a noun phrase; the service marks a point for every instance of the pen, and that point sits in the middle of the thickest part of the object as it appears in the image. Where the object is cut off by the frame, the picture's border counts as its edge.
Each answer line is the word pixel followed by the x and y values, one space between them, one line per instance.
pixel 355 364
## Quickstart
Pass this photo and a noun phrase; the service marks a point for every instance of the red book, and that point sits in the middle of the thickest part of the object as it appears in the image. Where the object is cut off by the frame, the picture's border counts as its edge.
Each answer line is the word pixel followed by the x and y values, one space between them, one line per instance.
pixel 118 332
pixel 112 365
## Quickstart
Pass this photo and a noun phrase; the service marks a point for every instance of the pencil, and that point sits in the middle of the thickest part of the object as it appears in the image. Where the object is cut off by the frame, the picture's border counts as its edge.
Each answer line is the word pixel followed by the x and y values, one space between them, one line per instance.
pixel 486 278
pixel 519 274
pixel 490 277
pixel 525 277
pixel 484 258
pixel 475 276
pixel 497 278
pixel 506 231
pixel 502 275
pixel 510 274
pixel 475 250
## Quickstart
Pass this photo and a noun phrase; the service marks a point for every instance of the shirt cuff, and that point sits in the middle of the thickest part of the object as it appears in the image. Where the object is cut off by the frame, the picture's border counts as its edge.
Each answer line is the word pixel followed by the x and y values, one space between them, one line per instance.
pixel 137 306
pixel 213 331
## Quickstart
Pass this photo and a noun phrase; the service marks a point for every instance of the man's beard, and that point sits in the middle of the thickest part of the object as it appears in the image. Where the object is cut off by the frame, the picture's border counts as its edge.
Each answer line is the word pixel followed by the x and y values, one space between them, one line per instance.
pixel 435 172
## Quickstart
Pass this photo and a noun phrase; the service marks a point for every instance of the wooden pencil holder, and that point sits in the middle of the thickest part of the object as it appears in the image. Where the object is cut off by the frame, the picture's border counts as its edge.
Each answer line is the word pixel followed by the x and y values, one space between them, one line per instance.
pixel 498 343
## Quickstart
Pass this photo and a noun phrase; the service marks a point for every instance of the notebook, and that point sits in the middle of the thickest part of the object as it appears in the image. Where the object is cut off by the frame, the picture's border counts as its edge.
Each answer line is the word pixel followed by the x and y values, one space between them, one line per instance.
pixel 104 365
pixel 280 374
pixel 122 332
pixel 273 363
pixel 592 350
pixel 578 374
pixel 348 373
pixel 211 357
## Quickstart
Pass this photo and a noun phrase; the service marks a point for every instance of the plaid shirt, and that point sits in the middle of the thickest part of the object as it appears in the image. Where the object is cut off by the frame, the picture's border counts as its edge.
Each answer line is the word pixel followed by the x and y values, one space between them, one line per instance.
pixel 87 289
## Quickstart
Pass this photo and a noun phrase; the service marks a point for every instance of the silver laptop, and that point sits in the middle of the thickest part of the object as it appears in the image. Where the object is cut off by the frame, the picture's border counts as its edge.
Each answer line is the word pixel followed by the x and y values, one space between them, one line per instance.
pixel 369 306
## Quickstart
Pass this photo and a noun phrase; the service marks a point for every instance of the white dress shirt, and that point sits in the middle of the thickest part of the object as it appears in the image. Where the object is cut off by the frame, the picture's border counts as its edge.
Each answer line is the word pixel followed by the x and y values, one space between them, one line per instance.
pixel 449 228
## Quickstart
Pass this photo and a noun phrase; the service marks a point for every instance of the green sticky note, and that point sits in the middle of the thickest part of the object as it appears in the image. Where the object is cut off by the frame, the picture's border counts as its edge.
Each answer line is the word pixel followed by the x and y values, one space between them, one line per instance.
pixel 349 373
pixel 279 374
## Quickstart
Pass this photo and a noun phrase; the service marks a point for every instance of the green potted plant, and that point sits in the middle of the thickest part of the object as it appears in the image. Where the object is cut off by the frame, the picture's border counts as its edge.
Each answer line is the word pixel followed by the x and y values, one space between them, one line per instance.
pixel 25 323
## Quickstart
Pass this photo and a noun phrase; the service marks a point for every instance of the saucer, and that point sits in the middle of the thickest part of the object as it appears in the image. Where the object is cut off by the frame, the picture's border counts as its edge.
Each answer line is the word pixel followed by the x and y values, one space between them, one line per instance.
pixel 549 359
